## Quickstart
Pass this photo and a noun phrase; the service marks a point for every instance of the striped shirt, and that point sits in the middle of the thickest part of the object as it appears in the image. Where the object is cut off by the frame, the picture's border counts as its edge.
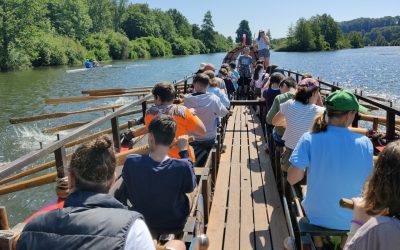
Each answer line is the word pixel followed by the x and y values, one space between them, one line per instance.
pixel 299 119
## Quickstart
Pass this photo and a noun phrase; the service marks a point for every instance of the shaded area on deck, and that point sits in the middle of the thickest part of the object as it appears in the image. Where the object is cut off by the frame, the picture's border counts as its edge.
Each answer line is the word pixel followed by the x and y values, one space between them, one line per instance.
pixel 246 212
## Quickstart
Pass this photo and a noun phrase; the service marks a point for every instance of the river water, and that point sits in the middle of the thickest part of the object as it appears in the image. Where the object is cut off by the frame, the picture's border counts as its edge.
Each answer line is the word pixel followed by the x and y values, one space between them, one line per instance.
pixel 375 70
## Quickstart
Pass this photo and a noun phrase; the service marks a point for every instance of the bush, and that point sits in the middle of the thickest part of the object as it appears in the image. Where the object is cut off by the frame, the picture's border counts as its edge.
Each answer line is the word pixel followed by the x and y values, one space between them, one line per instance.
pixel 119 46
pixel 139 50
pixel 49 49
pixel 150 46
pixel 97 47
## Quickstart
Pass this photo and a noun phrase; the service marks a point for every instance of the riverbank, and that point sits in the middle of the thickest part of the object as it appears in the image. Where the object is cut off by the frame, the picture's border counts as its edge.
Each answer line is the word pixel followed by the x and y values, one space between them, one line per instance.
pixel 43 34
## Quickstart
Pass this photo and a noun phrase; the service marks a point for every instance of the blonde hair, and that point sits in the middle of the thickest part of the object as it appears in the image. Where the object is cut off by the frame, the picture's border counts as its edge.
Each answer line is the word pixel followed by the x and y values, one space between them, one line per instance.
pixel 321 124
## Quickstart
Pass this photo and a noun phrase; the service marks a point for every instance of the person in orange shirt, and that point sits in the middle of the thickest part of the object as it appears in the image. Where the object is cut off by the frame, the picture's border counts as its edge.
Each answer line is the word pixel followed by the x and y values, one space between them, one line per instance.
pixel 186 121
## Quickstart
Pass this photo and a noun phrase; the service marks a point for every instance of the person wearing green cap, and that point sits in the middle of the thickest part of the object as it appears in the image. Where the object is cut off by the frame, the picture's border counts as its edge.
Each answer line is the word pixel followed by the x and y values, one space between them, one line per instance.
pixel 337 162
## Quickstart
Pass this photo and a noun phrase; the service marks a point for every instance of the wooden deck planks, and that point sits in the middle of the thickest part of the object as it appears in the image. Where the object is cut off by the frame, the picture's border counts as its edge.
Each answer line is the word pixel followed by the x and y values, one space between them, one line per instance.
pixel 262 236
pixel 246 212
pixel 232 231
pixel 246 206
pixel 277 221
pixel 216 223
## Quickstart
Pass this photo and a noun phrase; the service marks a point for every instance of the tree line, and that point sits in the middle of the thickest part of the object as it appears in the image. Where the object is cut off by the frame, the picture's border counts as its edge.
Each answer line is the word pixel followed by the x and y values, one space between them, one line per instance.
pixel 59 32
pixel 322 33
pixel 384 31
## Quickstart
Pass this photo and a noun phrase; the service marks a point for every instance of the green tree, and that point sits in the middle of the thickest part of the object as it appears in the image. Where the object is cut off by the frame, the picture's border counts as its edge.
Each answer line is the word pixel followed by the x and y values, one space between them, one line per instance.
pixel 380 40
pixel 196 31
pixel 138 21
pixel 356 39
pixel 101 15
pixel 118 8
pixel 166 24
pixel 70 18
pixel 330 30
pixel 207 32
pixel 181 23
pixel 243 29
pixel 20 22
pixel 304 36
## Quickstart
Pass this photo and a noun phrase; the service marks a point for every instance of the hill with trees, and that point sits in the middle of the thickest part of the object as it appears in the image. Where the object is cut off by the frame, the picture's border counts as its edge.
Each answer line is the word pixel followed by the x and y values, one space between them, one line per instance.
pixel 59 32
pixel 383 31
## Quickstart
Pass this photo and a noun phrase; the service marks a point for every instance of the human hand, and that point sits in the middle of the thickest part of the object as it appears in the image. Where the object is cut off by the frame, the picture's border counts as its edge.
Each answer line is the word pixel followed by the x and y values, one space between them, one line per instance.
pixel 182 142
pixel 359 213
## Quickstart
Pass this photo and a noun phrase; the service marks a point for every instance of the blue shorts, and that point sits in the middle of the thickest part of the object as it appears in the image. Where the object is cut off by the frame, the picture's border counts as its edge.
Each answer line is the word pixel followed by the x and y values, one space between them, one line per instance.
pixel 263 53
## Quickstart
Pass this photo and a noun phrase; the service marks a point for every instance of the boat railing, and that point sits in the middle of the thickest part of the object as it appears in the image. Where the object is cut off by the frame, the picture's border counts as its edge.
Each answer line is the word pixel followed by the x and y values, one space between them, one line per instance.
pixel 58 148
pixel 389 121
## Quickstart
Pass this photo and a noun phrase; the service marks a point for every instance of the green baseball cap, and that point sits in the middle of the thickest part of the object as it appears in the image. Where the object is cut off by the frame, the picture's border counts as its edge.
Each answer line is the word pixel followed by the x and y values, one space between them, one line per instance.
pixel 344 100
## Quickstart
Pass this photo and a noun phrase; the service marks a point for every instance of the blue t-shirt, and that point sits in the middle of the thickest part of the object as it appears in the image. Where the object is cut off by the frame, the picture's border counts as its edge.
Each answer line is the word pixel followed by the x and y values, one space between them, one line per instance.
pixel 158 189
pixel 338 162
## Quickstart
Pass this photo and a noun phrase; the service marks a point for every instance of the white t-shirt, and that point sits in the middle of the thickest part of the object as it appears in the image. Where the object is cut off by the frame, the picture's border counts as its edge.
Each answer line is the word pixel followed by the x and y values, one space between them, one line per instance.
pixel 221 83
pixel 260 82
pixel 299 119
pixel 139 237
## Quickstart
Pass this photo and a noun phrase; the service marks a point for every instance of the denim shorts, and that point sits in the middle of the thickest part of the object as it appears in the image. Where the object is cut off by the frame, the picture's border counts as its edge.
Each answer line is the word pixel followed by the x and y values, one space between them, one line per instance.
pixel 263 53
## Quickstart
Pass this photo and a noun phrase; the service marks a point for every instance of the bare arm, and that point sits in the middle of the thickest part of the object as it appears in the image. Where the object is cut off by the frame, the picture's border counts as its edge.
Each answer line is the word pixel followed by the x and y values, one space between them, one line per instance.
pixel 279 120
pixel 295 175
pixel 266 39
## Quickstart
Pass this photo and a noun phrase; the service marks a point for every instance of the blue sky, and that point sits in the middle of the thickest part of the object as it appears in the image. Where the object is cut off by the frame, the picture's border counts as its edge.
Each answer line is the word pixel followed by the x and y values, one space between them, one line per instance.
pixel 275 15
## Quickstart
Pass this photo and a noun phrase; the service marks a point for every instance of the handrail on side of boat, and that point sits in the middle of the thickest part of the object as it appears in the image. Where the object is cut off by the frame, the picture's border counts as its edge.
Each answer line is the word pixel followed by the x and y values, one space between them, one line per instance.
pixel 58 147
pixel 391 112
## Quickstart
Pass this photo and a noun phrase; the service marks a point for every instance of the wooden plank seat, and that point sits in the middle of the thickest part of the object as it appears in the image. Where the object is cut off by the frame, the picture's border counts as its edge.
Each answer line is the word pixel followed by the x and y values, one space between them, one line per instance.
pixel 246 212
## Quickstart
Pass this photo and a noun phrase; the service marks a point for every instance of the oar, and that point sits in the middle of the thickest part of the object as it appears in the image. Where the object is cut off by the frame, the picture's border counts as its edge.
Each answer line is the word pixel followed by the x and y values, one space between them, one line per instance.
pixel 34 182
pixel 51 177
pixel 118 92
pixel 78 124
pixel 92 91
pixel 378 98
pixel 64 127
pixel 58 115
pixel 140 150
pixel 371 118
pixel 88 98
pixel 105 132
pixel 136 133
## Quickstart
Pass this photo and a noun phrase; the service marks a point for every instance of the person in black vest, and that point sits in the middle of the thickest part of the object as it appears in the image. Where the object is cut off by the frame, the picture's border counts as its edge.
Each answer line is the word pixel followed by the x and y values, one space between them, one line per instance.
pixel 91 218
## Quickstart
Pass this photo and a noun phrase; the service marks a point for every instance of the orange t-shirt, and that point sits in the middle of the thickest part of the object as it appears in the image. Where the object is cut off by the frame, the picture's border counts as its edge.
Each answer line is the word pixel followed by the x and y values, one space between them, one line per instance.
pixel 185 122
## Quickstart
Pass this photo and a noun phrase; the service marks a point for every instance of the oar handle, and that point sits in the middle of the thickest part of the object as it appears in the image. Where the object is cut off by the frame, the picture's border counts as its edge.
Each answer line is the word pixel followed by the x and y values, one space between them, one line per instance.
pixel 346 203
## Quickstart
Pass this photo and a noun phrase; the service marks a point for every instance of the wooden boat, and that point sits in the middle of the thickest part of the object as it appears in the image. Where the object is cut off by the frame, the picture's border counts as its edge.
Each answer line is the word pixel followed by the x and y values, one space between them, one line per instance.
pixel 239 201
pixel 86 69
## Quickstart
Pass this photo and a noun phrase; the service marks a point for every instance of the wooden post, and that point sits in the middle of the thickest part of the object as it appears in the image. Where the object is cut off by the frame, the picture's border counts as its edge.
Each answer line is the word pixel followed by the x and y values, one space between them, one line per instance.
pixel 355 121
pixel 116 134
pixel 218 151
pixel 185 86
pixel 214 166
pixel 3 218
pixel 61 162
pixel 206 192
pixel 144 109
pixel 297 77
pixel 390 126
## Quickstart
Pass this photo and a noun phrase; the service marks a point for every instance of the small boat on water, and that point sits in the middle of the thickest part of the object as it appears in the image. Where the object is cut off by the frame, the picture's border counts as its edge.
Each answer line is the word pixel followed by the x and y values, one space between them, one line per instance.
pixel 238 201
pixel 86 69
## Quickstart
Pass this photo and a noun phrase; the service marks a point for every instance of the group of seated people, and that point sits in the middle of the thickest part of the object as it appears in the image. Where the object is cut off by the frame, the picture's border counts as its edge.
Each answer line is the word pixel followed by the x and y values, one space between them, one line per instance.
pixel 317 145
pixel 151 205
pixel 318 148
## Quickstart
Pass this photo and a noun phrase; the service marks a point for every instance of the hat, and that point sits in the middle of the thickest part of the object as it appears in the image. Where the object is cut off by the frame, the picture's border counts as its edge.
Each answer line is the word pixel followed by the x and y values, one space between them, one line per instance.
pixel 344 100
pixel 310 83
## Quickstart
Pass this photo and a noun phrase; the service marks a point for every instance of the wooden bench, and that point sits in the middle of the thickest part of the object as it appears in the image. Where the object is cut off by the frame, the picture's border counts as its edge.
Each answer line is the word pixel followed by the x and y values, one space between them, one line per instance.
pixel 246 212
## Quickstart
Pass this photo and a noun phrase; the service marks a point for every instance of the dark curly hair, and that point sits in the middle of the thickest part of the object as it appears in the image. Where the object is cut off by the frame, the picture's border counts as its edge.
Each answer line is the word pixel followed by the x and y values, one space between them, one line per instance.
pixel 93 165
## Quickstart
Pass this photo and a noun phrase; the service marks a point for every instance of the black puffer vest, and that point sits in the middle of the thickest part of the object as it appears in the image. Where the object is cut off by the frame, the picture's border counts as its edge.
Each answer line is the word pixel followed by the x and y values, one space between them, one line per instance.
pixel 87 221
